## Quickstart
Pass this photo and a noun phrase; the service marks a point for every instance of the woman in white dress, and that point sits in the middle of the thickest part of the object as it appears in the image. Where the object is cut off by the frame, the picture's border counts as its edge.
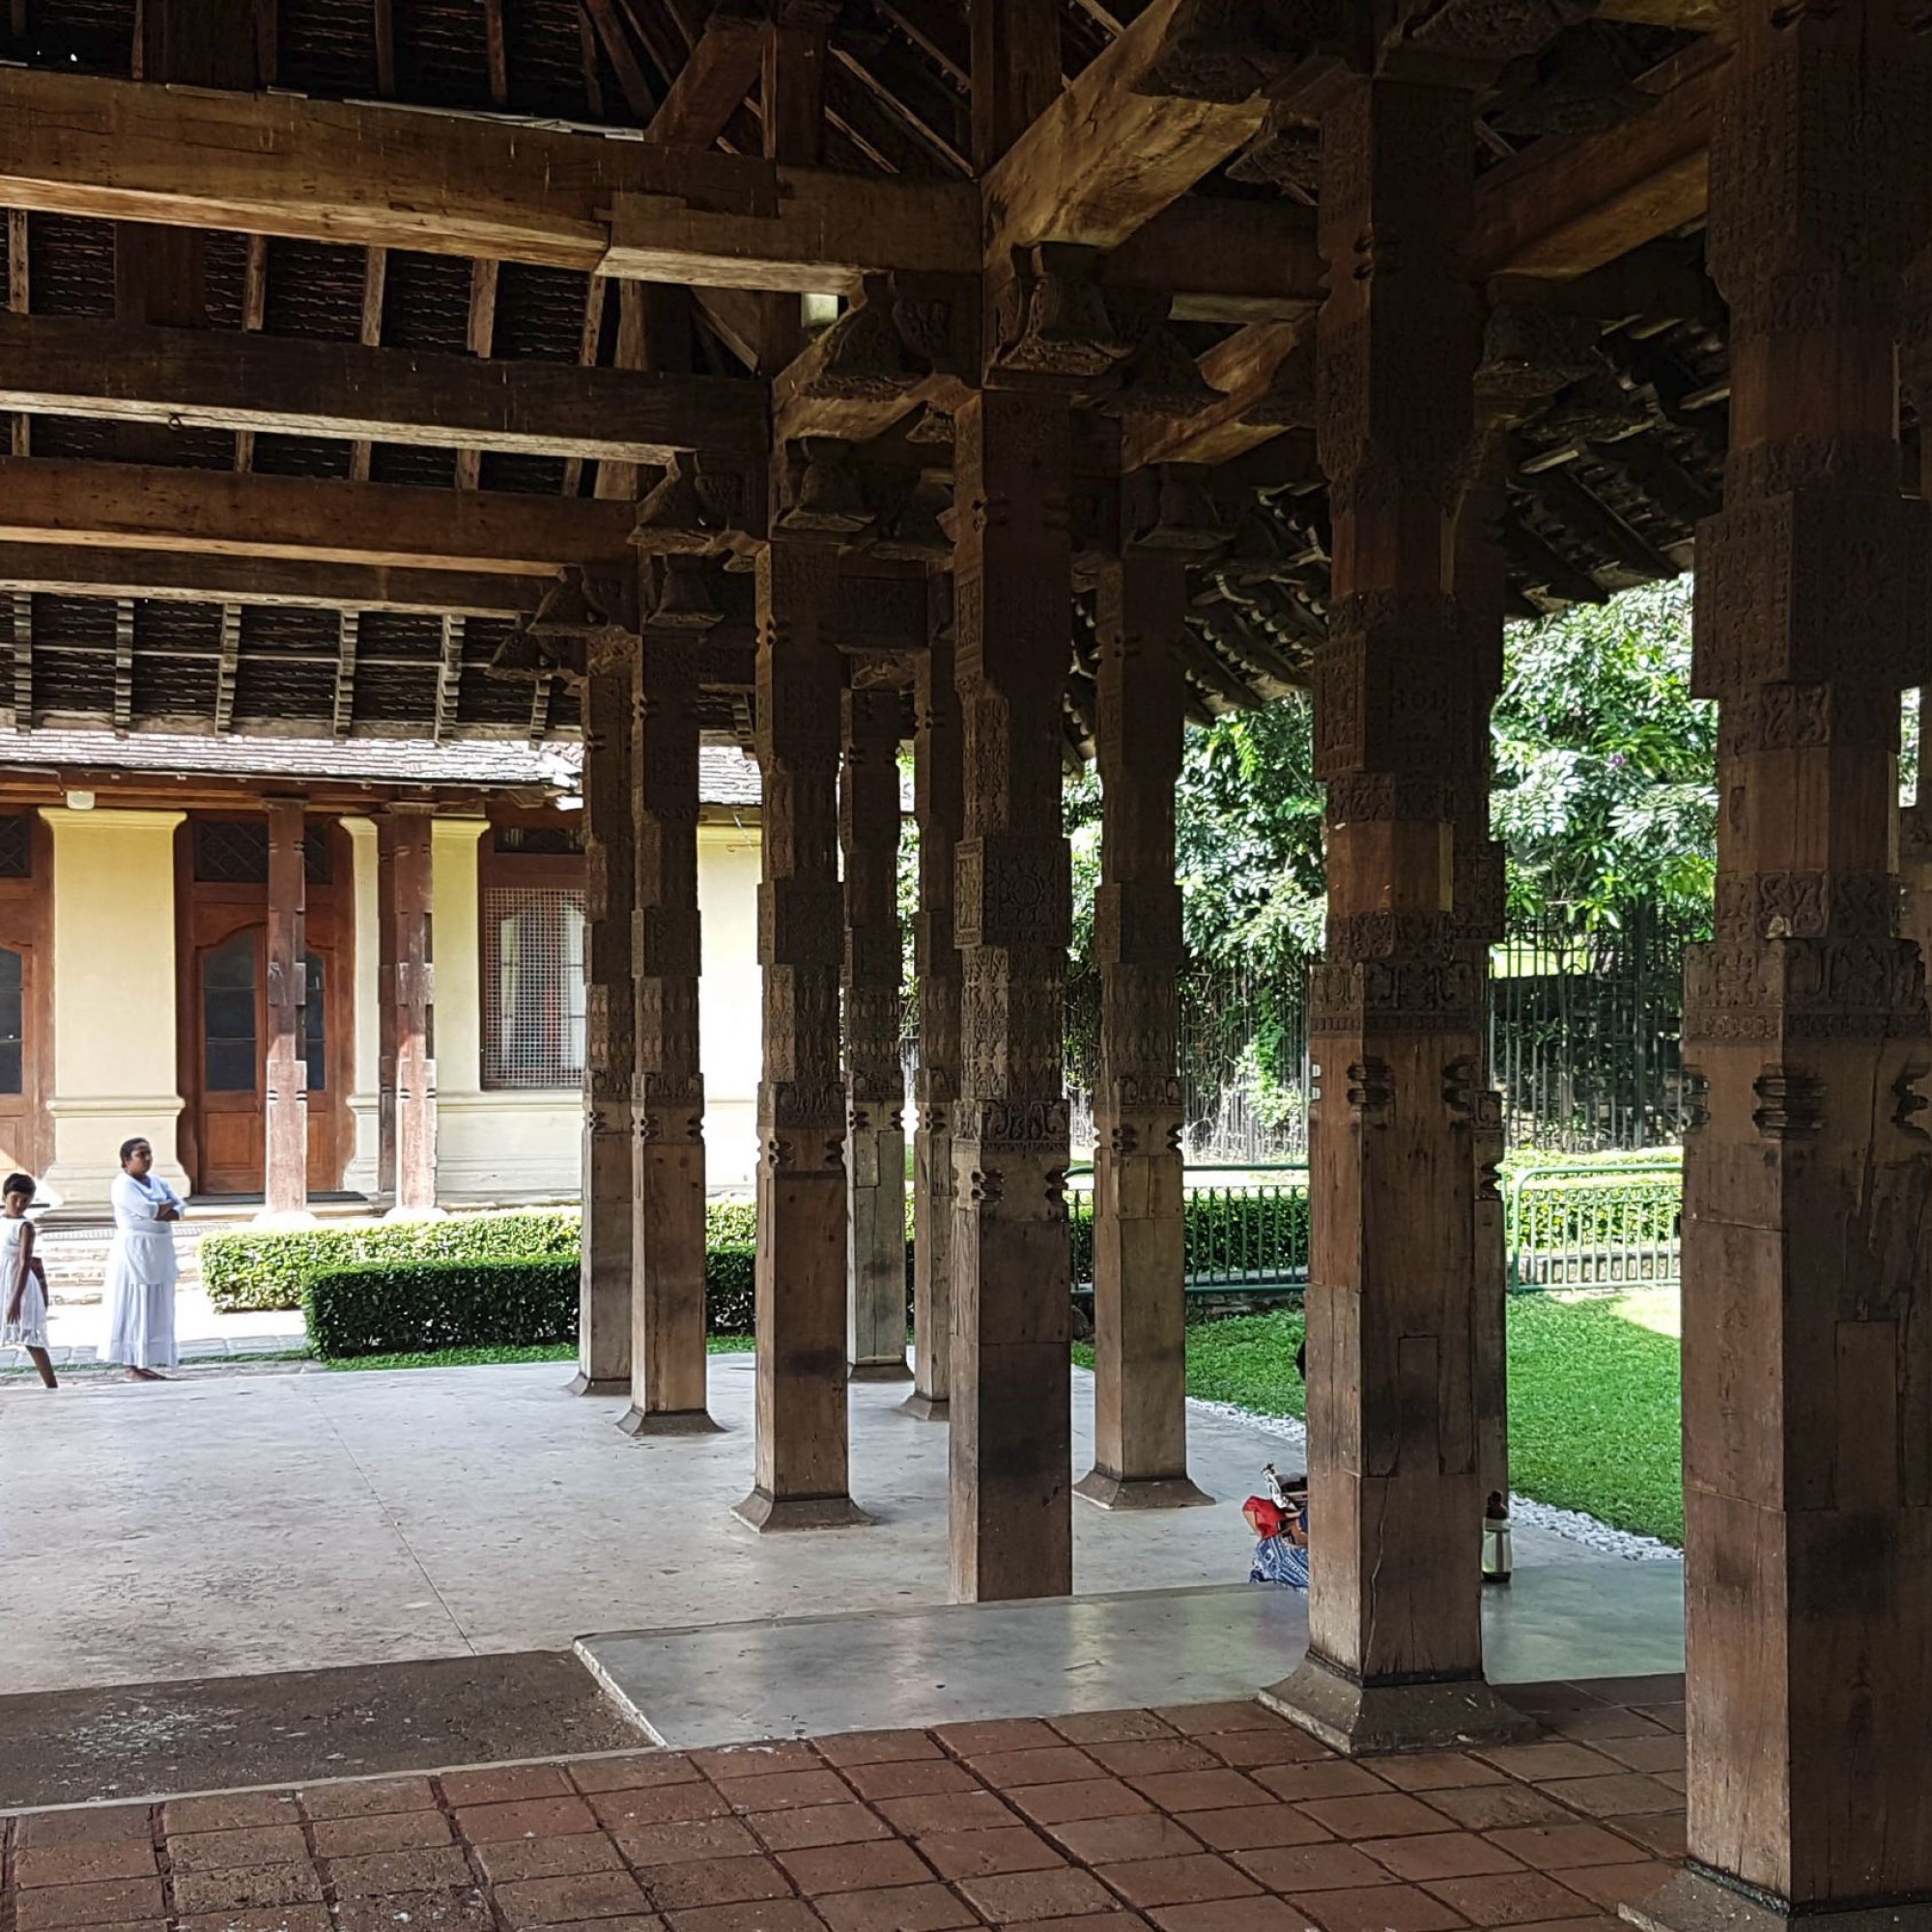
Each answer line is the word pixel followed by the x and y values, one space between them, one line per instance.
pixel 141 1274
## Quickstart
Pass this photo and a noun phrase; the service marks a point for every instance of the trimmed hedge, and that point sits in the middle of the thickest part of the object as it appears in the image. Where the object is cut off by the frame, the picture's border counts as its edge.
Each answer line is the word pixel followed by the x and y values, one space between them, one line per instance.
pixel 406 1307
pixel 262 1270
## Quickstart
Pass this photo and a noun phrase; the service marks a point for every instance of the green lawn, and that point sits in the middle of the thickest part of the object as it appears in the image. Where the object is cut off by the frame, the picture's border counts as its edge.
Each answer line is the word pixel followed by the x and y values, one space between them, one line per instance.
pixel 1593 1401
pixel 471 1358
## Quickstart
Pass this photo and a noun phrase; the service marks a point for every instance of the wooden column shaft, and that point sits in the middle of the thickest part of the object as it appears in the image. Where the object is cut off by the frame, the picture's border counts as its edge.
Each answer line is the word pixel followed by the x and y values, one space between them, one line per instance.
pixel 285 1168
pixel 406 983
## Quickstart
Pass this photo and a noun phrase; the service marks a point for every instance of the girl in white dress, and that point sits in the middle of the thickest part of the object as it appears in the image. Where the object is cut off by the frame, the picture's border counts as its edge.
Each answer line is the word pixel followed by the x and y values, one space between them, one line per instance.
pixel 23 1282
pixel 140 1286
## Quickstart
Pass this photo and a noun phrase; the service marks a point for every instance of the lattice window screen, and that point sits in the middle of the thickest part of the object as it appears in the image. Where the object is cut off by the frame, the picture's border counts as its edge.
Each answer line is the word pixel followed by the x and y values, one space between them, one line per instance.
pixel 16 846
pixel 533 1015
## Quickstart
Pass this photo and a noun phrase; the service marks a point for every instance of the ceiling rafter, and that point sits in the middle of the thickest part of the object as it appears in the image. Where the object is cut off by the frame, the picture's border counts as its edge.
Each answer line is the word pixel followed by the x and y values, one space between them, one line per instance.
pixel 349 635
pixel 448 678
pixel 23 660
pixel 123 663
pixel 227 669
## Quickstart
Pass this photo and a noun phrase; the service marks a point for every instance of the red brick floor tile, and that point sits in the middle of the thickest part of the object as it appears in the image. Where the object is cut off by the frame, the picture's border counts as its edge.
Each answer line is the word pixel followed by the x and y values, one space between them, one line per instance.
pixel 229 1811
pixel 1143 1757
pixel 211 1851
pixel 1379 1908
pixel 698 1882
pixel 1259 1913
pixel 1607 1721
pixel 442 1869
pixel 813 1825
pixel 1602 1923
pixel 1105 1841
pixel 1298 1868
pixel 785 1791
pixel 1487 1807
pixel 1057 1764
pixel 636 1772
pixel 1511 1898
pixel 1440 1855
pixel 1020 1898
pixel 1109 1727
pixel 84 1864
pixel 1555 1847
pixel 108 1902
pixel 1254 1826
pixel 452 1911
pixel 1181 1881
pixel 772 1914
pixel 1195 1720
pixel 1331 1778
pixel 1661 1751
pixel 732 1761
pixel 1662 1835
pixel 876 1748
pixel 909 1779
pixel 1000 1734
pixel 1118 1920
pixel 368 1797
pixel 247 1889
pixel 505 1784
pixel 1541 1698
pixel 1199 1790
pixel 1436 1771
pixel 266 1919
pixel 632 1921
pixel 512 1858
pixel 1607 1887
pixel 1648 1690
pixel 555 1902
pixel 1670 1717
pixel 944 1811
pixel 114 1824
pixel 826 1868
pixel 1554 1758
pixel 957 1854
pixel 521 1818
pixel 659 1805
pixel 386 1832
pixel 1626 1794
pixel 1242 1749
pixel 1089 1798
pixel 1386 1815
pixel 672 1843
pixel 899 1908
pixel 1673 1781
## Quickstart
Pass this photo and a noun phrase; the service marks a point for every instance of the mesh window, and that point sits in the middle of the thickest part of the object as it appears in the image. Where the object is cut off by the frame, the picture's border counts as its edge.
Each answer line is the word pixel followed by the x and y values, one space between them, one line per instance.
pixel 16 846
pixel 552 841
pixel 12 1015
pixel 315 1029
pixel 534 1020
pixel 229 1053
pixel 234 852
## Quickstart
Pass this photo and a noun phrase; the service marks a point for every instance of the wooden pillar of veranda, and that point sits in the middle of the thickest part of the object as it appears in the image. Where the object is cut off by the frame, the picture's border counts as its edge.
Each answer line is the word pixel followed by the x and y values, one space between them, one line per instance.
pixel 406 989
pixel 1807 1184
pixel 1011 1414
pixel 803 1473
pixel 603 1299
pixel 868 837
pixel 1395 1653
pixel 668 1309
pixel 285 1081
pixel 938 809
pixel 1140 1371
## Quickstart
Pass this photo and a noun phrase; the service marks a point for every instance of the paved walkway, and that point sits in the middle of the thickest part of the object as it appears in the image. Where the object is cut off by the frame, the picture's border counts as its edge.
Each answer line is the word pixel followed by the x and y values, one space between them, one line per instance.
pixel 1214 1818
pixel 78 1333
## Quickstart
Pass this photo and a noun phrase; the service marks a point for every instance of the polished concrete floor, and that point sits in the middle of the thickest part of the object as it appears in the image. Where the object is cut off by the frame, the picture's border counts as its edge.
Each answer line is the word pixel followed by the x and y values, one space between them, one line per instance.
pixel 284 1523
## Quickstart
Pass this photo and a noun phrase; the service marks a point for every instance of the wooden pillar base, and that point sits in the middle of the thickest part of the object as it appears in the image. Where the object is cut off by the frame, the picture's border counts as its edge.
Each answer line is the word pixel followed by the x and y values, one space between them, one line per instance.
pixel 1368 1719
pixel 769 1513
pixel 1140 1492
pixel 669 1422
pixel 923 1408
pixel 1693 1901
pixel 879 1372
pixel 583 1385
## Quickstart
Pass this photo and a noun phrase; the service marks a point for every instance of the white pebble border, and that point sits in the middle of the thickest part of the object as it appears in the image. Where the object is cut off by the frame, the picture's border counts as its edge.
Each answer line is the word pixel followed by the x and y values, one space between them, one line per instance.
pixel 1571 1523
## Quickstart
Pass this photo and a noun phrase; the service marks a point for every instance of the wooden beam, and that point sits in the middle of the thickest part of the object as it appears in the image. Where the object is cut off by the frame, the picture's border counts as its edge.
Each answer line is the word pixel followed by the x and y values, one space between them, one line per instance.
pixel 1225 261
pixel 623 58
pixel 123 663
pixel 225 669
pixel 348 636
pixel 18 284
pixel 448 678
pixel 254 312
pixel 480 338
pixel 23 660
pixel 129 507
pixel 75 570
pixel 375 289
pixel 712 84
pixel 456 185
pixel 63 366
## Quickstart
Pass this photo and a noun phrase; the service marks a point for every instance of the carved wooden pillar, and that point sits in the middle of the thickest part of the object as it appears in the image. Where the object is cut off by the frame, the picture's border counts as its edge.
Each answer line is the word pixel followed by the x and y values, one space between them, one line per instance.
pixel 1807 1333
pixel 939 807
pixel 1395 1636
pixel 604 1304
pixel 802 1458
pixel 667 1312
pixel 869 835
pixel 285 1168
pixel 1011 1396
pixel 1140 1392
pixel 405 985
